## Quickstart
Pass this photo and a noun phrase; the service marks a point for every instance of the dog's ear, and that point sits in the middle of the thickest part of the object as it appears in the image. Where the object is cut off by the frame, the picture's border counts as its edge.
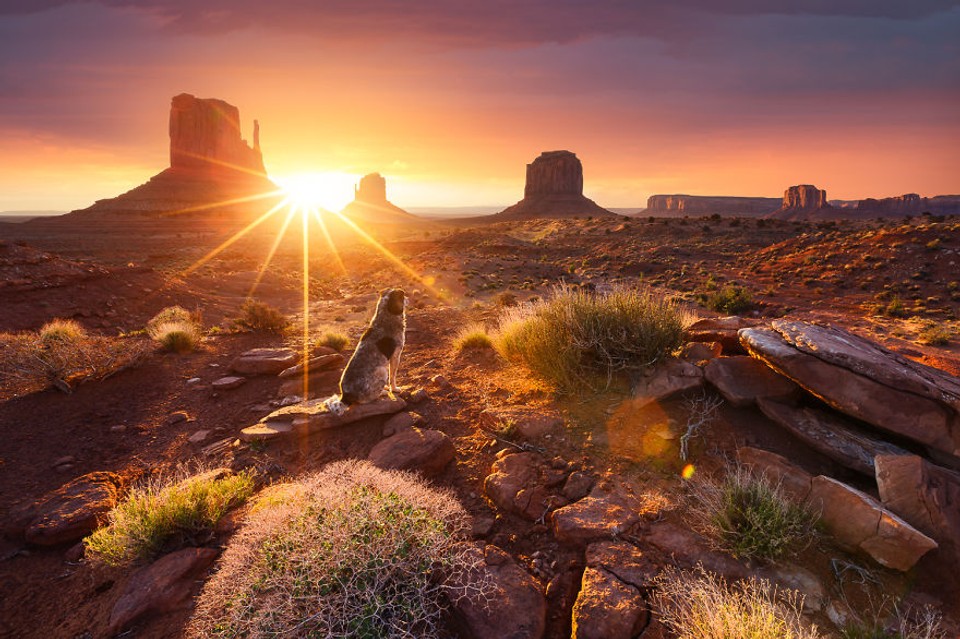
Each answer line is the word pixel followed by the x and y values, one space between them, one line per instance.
pixel 395 303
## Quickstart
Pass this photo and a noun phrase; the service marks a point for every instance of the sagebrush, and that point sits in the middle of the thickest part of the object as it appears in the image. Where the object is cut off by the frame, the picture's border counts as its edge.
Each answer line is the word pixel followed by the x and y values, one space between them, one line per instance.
pixel 260 316
pixel 351 551
pixel 578 339
pixel 472 336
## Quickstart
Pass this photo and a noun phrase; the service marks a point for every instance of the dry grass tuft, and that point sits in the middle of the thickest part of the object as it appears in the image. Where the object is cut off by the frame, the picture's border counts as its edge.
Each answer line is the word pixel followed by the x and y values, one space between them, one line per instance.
pixel 351 551
pixel 472 337
pixel 175 329
pixel 60 331
pixel 166 514
pixel 700 605
pixel 577 338
pixel 333 339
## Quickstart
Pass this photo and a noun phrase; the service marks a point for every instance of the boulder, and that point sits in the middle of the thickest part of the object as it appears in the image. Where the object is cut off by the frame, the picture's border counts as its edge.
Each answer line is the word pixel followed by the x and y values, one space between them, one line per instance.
pixel 228 383
pixel 607 608
pixel 793 480
pixel 164 586
pixel 666 379
pixel 858 522
pixel 314 415
pixel 515 485
pixel 831 435
pixel 743 380
pixel 520 609
pixel 721 330
pixel 605 513
pixel 264 361
pixel 687 549
pixel 74 510
pixel 864 380
pixel 700 352
pixel 577 486
pixel 428 451
pixel 925 495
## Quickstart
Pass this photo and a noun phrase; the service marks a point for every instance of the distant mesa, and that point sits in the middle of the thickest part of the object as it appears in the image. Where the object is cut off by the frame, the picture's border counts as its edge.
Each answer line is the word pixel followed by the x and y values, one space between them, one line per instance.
pixel 804 202
pixel 680 205
pixel 908 204
pixel 210 163
pixel 554 188
pixel 370 203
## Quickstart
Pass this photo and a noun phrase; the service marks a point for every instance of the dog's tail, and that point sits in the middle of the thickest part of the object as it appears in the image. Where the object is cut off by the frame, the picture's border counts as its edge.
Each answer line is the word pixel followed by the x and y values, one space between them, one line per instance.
pixel 339 405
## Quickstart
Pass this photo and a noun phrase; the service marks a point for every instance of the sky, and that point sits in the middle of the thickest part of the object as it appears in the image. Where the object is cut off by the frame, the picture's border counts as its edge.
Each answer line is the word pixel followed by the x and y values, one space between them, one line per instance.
pixel 450 100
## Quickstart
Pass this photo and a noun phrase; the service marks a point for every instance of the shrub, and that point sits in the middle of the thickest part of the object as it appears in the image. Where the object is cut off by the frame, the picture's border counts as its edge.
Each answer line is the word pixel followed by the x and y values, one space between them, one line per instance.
pixel 731 300
pixel 576 336
pixel 60 331
pixel 260 316
pixel 332 339
pixel 935 334
pixel 749 516
pixel 505 299
pixel 351 551
pixel 175 329
pixel 474 337
pixel 701 605
pixel 167 514
pixel 926 624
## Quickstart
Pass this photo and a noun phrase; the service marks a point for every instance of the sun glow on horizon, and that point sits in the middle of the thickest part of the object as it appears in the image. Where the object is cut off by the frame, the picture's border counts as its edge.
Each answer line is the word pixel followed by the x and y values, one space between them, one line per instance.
pixel 331 190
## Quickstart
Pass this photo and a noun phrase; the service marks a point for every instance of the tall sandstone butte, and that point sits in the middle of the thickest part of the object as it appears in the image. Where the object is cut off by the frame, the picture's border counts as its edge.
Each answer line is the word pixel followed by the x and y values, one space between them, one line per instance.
pixel 211 168
pixel 554 188
pixel 370 203
pixel 804 202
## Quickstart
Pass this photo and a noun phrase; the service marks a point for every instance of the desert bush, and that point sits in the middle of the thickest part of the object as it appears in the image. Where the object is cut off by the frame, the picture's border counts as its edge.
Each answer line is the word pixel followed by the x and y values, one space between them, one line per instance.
pixel 731 300
pixel 749 516
pixel 260 316
pixel 333 339
pixel 935 334
pixel 925 623
pixel 701 605
pixel 505 299
pixel 351 551
pixel 168 513
pixel 175 329
pixel 472 337
pixel 61 330
pixel 576 338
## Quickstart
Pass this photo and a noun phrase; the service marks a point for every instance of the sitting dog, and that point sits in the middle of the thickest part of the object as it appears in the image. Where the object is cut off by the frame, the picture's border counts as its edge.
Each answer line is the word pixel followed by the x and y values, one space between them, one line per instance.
pixel 373 366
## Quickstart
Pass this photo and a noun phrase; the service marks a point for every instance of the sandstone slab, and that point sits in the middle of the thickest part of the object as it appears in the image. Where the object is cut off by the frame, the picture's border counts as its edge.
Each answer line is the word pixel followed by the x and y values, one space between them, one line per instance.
pixel 515 485
pixel 228 383
pixel 74 510
pixel 264 361
pixel 859 522
pixel 428 451
pixel 624 561
pixel 318 363
pixel 607 608
pixel 603 514
pixel 687 549
pixel 864 380
pixel 313 416
pixel 163 586
pixel 722 330
pixel 793 480
pixel 743 380
pixel 668 378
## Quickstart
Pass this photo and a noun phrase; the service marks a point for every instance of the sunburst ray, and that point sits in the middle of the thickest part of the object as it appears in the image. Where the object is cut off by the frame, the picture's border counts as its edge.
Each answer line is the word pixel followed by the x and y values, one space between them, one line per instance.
pixel 273 250
pixel 329 239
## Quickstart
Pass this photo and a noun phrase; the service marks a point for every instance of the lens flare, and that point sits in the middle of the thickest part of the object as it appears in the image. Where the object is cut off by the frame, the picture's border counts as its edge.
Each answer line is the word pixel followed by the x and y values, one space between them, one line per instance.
pixel 687 472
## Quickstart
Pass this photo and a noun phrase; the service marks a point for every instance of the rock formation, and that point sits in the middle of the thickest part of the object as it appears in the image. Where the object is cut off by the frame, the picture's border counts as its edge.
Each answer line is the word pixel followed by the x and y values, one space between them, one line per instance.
pixel 554 188
pixel 679 205
pixel 370 203
pixel 804 202
pixel 210 164
pixel 907 204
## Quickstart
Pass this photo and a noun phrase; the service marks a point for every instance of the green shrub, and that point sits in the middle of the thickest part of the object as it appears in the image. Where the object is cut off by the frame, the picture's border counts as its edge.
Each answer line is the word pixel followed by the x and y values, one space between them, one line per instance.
pixel 576 338
pixel 164 515
pixel 749 516
pixel 701 605
pixel 730 300
pixel 473 337
pixel 351 551
pixel 332 339
pixel 260 316
pixel 60 331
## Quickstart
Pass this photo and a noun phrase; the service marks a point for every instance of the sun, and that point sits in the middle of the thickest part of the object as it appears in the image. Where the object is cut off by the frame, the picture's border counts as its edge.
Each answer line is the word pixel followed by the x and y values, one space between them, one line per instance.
pixel 331 190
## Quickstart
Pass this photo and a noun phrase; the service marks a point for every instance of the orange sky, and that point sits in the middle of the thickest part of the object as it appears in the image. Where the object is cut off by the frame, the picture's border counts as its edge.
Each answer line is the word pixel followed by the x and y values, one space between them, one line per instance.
pixel 452 103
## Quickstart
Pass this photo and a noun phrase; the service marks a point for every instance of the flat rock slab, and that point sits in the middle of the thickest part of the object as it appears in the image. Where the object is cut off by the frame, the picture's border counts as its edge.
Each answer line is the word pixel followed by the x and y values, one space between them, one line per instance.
pixel 520 609
pixel 859 522
pixel 264 361
pixel 319 384
pixel 318 363
pixel 161 587
pixel 743 380
pixel 687 549
pixel 668 378
pixel 607 608
pixel 722 330
pixel 831 435
pixel 793 480
pixel 74 510
pixel 428 451
pixel 517 484
pixel 603 514
pixel 313 416
pixel 624 561
pixel 864 380
pixel 229 383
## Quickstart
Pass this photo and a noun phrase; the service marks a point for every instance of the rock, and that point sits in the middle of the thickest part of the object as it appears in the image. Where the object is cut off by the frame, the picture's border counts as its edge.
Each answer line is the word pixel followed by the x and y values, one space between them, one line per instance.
pixel 605 513
pixel 864 380
pixel 177 417
pixel 370 202
pixel 925 495
pixel 793 480
pixel 699 352
pixel 554 188
pixel 66 460
pixel 607 608
pixel 163 586
pixel 857 521
pixel 521 609
pixel 205 136
pixel 514 485
pixel 803 202
pixel 723 330
pixel 526 423
pixel 801 580
pixel 577 486
pixel 831 435
pixel 692 205
pixel 669 377
pixel 315 364
pixel 624 561
pixel 198 436
pixel 313 416
pixel 264 361
pixel 74 510
pixel 228 383
pixel 319 384
pixel 687 549
pixel 398 423
pixel 428 451
pixel 743 380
